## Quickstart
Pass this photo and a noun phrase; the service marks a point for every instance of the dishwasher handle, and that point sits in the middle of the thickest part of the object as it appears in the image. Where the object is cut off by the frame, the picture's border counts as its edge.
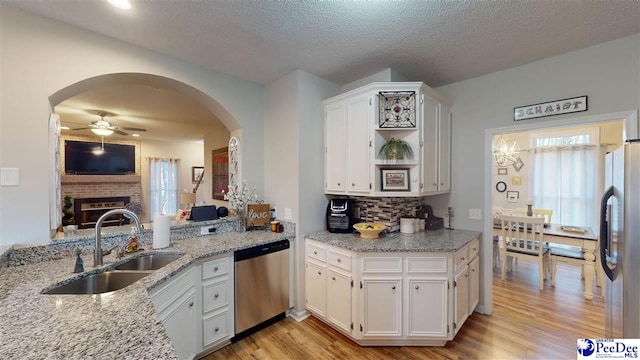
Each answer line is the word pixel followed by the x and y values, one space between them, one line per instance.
pixel 261 250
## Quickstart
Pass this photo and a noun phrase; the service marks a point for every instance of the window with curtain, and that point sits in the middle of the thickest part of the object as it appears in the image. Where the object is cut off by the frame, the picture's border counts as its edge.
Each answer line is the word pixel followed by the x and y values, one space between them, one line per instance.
pixel 565 176
pixel 163 186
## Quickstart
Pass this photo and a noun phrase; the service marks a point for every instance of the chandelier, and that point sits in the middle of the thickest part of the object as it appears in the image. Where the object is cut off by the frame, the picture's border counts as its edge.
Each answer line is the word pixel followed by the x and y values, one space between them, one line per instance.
pixel 506 152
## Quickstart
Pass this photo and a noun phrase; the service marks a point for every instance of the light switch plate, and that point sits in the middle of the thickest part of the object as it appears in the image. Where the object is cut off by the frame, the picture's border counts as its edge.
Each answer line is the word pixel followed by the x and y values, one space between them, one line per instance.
pixel 287 214
pixel 475 214
pixel 9 177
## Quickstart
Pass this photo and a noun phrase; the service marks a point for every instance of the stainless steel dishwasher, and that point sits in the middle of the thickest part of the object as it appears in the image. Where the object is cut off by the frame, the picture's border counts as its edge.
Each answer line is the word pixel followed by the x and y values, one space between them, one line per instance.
pixel 261 286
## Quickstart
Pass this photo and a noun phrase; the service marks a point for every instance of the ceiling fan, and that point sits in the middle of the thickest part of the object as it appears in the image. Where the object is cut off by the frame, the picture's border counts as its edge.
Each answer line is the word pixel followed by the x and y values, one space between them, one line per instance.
pixel 104 128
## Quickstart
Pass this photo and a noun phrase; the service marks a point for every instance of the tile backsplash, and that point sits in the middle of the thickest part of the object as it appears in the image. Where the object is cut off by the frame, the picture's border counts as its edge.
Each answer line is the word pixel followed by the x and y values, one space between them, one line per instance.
pixel 386 210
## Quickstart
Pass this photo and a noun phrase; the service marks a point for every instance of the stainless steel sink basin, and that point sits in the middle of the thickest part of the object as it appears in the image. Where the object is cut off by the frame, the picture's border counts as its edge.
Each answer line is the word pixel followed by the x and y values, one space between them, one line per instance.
pixel 148 262
pixel 99 283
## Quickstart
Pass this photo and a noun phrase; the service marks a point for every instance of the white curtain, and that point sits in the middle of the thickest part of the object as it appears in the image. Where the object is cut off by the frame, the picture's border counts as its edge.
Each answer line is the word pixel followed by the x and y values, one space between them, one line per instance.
pixel 565 180
pixel 163 186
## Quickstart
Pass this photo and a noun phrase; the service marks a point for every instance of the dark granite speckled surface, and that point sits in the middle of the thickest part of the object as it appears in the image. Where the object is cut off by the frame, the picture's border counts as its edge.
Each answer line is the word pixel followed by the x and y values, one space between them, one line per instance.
pixel 425 241
pixel 119 325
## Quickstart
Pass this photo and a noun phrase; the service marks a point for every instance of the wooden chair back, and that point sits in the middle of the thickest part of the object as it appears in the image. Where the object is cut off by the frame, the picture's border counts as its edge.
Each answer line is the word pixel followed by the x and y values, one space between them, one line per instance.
pixel 523 234
pixel 546 213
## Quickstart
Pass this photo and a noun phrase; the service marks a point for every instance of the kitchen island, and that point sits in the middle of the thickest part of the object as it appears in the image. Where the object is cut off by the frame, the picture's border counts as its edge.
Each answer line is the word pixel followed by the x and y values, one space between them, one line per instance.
pixel 118 325
pixel 401 289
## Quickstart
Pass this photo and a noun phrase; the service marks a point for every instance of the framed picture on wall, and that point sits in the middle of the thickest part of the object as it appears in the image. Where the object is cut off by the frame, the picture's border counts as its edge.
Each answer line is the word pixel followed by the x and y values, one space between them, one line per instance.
pixel 395 179
pixel 196 173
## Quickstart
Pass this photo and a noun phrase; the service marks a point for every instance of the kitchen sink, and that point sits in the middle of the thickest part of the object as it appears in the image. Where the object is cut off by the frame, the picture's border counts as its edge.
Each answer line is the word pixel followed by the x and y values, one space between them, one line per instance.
pixel 148 262
pixel 99 283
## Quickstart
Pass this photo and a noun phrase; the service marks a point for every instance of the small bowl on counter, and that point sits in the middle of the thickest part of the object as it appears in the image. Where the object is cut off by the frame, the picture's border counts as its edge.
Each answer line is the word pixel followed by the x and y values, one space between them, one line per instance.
pixel 369 230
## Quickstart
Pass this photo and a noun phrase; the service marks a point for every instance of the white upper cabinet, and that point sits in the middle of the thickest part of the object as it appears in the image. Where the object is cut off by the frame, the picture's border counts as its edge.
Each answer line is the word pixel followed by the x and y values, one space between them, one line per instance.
pixel 360 125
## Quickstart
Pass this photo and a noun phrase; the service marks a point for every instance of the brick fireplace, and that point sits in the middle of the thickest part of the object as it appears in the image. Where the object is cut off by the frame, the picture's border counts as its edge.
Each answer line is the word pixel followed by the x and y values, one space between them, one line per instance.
pixel 97 193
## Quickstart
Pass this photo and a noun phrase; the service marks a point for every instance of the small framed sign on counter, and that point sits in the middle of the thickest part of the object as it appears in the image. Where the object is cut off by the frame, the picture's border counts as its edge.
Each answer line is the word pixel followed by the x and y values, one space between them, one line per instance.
pixel 258 214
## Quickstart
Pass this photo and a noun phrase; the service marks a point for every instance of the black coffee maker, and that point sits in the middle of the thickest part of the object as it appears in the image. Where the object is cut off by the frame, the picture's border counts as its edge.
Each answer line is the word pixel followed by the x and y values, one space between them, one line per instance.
pixel 340 216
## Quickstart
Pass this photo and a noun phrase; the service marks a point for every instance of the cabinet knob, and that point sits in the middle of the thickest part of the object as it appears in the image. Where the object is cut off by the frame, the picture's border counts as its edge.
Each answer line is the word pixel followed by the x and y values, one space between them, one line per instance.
pixel 216 329
pixel 353 184
pixel 417 287
pixel 191 304
pixel 473 270
pixel 338 184
pixel 319 273
pixel 215 268
pixel 435 184
pixel 333 278
pixel 462 259
pixel 216 296
pixel 315 252
pixel 474 249
pixel 339 260
pixel 393 288
pixel 441 184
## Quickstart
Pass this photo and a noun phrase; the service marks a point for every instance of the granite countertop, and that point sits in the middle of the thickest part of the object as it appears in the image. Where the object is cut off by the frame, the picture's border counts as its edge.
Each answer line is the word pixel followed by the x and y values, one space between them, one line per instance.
pixel 442 240
pixel 119 325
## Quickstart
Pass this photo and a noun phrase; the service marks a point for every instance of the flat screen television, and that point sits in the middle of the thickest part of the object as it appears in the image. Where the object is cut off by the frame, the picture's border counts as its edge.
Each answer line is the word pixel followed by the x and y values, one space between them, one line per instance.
pixel 87 158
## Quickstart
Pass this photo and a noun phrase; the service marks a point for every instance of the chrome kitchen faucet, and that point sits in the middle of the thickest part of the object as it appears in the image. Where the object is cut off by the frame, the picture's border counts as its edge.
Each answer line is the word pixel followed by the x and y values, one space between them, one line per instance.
pixel 97 253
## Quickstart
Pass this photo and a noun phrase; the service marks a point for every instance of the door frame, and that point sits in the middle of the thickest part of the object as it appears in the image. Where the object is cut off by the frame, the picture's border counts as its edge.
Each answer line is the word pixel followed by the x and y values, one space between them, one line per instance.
pixel 630 119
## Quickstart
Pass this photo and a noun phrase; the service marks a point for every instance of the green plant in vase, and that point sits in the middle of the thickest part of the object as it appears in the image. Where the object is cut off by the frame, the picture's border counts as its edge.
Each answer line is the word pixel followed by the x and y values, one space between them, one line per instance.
pixel 67 213
pixel 396 149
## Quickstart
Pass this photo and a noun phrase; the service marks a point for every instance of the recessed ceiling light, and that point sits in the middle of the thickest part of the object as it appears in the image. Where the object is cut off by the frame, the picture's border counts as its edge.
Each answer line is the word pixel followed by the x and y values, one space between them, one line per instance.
pixel 65 128
pixel 135 135
pixel 120 4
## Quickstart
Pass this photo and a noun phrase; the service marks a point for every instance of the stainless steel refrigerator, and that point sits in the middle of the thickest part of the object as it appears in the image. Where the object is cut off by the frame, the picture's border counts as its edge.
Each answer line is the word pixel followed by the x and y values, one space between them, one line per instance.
pixel 620 241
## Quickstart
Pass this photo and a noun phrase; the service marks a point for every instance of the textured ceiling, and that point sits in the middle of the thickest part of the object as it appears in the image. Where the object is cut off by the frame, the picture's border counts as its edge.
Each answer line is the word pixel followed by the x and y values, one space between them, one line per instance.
pixel 438 42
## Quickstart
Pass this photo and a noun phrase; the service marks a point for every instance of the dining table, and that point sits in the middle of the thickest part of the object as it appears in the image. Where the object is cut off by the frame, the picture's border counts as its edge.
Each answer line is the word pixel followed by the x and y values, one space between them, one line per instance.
pixel 582 237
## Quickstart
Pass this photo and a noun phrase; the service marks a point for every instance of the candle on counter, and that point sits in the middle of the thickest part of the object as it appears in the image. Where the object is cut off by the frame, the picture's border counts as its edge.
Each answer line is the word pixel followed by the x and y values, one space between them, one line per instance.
pixel 529 201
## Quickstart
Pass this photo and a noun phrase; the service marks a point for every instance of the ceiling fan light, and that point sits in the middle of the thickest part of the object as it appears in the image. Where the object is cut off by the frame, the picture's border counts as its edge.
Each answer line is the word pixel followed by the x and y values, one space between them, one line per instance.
pixel 120 4
pixel 102 132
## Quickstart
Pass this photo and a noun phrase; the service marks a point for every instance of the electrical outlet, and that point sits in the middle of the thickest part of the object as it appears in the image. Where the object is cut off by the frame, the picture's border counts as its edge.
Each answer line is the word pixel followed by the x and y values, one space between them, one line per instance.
pixel 475 214
pixel 287 214
pixel 206 230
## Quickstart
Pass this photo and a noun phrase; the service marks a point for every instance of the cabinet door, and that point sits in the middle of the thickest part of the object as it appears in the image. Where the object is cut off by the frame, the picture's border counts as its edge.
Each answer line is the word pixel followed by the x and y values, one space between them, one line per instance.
pixel 427 312
pixel 335 147
pixel 339 300
pixel 358 144
pixel 316 289
pixel 180 324
pixel 461 297
pixel 429 139
pixel 382 306
pixel 444 149
pixel 474 283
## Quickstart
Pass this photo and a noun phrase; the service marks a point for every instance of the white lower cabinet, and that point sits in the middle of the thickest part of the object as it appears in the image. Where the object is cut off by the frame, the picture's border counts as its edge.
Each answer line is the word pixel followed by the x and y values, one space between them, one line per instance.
pixel 427 304
pixel 196 307
pixel 339 300
pixel 382 308
pixel 329 285
pixel 399 299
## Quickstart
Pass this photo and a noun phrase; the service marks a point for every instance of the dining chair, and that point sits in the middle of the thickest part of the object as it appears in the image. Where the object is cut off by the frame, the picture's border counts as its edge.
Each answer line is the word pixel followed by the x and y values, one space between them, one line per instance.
pixel 546 213
pixel 523 237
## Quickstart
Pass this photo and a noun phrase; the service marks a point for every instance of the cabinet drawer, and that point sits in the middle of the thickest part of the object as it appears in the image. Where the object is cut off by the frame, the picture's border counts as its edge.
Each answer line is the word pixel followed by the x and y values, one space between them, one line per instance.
pixel 382 264
pixel 316 252
pixel 340 260
pixel 170 292
pixel 427 265
pixel 214 328
pixel 461 258
pixel 214 295
pixel 215 267
pixel 474 248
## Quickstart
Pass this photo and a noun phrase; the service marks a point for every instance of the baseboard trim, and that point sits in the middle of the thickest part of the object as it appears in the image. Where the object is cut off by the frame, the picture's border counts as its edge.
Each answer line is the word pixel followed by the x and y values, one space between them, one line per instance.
pixel 298 315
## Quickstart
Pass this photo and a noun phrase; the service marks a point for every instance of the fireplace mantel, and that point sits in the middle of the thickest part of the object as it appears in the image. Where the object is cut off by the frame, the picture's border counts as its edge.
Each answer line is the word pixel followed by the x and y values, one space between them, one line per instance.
pixel 95 179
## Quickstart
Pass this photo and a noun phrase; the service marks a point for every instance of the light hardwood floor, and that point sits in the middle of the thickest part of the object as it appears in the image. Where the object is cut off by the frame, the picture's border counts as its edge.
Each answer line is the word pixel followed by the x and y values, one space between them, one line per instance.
pixel 526 324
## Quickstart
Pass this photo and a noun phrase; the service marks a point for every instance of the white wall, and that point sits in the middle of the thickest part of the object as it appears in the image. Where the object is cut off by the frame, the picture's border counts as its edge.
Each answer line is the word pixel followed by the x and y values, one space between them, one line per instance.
pixel 385 75
pixel 294 157
pixel 608 73
pixel 190 153
pixel 38 57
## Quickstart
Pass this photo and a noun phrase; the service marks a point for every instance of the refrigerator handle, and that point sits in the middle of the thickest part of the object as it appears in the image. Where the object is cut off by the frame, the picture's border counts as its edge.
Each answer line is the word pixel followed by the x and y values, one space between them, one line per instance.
pixel 604 232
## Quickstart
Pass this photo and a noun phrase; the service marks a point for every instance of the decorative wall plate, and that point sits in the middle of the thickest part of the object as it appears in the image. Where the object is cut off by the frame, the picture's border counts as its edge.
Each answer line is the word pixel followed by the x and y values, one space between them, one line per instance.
pixel 397 109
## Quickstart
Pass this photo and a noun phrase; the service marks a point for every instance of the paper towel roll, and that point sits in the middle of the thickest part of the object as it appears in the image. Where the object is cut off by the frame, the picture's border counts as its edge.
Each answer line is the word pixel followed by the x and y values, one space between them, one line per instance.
pixel 161 231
